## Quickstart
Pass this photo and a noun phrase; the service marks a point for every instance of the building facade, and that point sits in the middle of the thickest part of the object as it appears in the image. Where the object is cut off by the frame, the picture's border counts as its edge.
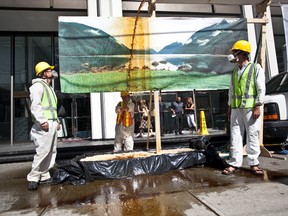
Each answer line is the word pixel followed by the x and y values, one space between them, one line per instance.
pixel 29 34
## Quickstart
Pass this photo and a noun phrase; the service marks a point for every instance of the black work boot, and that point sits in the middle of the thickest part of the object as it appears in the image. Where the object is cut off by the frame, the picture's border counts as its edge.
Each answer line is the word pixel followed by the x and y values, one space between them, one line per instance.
pixel 32 185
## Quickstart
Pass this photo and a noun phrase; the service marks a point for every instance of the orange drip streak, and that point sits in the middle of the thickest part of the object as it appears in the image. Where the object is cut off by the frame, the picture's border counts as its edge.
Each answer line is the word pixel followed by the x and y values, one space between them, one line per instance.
pixel 132 45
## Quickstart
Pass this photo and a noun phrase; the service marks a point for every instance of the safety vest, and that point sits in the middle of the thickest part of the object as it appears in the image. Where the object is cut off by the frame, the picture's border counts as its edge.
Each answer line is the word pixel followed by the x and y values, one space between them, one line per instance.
pixel 124 117
pixel 49 102
pixel 244 90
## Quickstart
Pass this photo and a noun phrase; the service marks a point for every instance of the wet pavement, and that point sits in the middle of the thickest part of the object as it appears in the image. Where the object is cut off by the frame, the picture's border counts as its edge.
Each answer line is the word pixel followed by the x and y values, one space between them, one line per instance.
pixel 194 191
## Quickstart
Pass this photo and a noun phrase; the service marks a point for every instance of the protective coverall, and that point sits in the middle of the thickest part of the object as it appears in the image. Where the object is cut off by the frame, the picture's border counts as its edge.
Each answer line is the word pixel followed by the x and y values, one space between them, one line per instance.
pixel 123 133
pixel 241 120
pixel 46 142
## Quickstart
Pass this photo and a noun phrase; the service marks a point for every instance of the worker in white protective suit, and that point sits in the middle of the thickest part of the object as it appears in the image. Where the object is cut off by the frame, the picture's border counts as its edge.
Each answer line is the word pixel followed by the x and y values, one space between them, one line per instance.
pixel 46 124
pixel 124 130
pixel 246 95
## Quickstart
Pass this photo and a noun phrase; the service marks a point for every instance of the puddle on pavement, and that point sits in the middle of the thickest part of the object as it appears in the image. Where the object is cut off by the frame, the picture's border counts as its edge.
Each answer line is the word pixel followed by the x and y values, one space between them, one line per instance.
pixel 130 195
pixel 140 194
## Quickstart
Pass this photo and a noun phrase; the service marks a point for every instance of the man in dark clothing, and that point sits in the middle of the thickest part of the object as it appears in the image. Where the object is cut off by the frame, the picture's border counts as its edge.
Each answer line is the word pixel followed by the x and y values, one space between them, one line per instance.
pixel 177 109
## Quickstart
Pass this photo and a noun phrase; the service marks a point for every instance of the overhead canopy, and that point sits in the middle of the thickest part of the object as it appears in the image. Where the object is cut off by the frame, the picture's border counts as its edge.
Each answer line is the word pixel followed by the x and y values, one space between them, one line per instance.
pixel 223 2
pixel 260 5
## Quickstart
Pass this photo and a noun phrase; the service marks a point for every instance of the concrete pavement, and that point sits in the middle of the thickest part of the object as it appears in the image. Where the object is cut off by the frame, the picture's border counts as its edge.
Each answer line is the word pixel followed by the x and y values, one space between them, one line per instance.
pixel 194 191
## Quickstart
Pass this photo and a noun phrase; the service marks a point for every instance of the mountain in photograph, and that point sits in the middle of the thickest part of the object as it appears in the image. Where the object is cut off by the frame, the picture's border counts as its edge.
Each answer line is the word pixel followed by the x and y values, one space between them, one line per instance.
pixel 81 48
pixel 171 48
pixel 216 39
pixel 81 40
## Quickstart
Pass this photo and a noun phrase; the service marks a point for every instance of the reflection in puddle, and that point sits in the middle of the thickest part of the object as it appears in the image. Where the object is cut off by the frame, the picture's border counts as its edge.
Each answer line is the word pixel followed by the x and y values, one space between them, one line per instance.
pixel 156 194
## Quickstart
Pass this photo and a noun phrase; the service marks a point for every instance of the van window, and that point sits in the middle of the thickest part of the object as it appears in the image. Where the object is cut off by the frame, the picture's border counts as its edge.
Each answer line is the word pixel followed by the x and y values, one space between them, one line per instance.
pixel 277 84
pixel 283 87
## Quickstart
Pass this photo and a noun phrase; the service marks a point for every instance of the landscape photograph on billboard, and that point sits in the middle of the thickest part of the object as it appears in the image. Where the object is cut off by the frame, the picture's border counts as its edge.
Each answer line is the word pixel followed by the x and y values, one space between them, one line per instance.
pixel 109 54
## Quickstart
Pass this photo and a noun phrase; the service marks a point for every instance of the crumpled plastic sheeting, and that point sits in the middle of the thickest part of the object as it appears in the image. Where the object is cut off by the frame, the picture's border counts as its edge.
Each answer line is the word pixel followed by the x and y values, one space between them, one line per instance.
pixel 71 171
pixel 78 172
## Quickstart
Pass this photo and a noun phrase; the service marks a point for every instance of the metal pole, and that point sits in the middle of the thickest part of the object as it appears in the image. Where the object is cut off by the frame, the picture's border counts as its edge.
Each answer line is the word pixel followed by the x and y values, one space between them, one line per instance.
pixel 12 72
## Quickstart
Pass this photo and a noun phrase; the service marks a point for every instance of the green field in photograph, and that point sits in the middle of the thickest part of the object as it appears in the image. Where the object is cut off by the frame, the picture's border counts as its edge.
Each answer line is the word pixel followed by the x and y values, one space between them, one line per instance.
pixel 139 80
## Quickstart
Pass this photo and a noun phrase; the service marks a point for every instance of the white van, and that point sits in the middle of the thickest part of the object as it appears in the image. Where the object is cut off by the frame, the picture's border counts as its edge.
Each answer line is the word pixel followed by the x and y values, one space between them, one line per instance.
pixel 275 109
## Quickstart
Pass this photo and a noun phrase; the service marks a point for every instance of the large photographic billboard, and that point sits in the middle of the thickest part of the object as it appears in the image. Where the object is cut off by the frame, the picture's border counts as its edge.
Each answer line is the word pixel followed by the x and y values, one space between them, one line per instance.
pixel 105 54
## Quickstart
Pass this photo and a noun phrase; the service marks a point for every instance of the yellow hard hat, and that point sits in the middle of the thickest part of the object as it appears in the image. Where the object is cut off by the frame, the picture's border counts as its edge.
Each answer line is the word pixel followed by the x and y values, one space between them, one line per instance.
pixel 124 93
pixel 242 45
pixel 42 66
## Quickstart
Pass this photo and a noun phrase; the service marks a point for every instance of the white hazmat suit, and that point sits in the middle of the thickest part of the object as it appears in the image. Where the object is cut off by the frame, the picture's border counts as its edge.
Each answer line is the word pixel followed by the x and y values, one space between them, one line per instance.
pixel 241 120
pixel 45 141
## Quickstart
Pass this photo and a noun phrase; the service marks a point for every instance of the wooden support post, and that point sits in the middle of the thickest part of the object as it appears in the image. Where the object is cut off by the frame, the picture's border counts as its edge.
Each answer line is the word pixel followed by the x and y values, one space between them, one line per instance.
pixel 257 20
pixel 152 7
pixel 263 21
pixel 152 11
pixel 157 122
pixel 264 151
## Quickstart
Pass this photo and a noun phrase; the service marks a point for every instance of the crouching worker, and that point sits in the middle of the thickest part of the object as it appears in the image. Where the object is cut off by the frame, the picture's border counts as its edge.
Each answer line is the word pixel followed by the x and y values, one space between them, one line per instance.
pixel 124 130
pixel 46 124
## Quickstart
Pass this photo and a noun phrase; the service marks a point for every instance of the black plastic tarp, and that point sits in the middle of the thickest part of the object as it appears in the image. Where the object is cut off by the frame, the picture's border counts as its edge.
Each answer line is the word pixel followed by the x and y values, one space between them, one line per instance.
pixel 78 171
